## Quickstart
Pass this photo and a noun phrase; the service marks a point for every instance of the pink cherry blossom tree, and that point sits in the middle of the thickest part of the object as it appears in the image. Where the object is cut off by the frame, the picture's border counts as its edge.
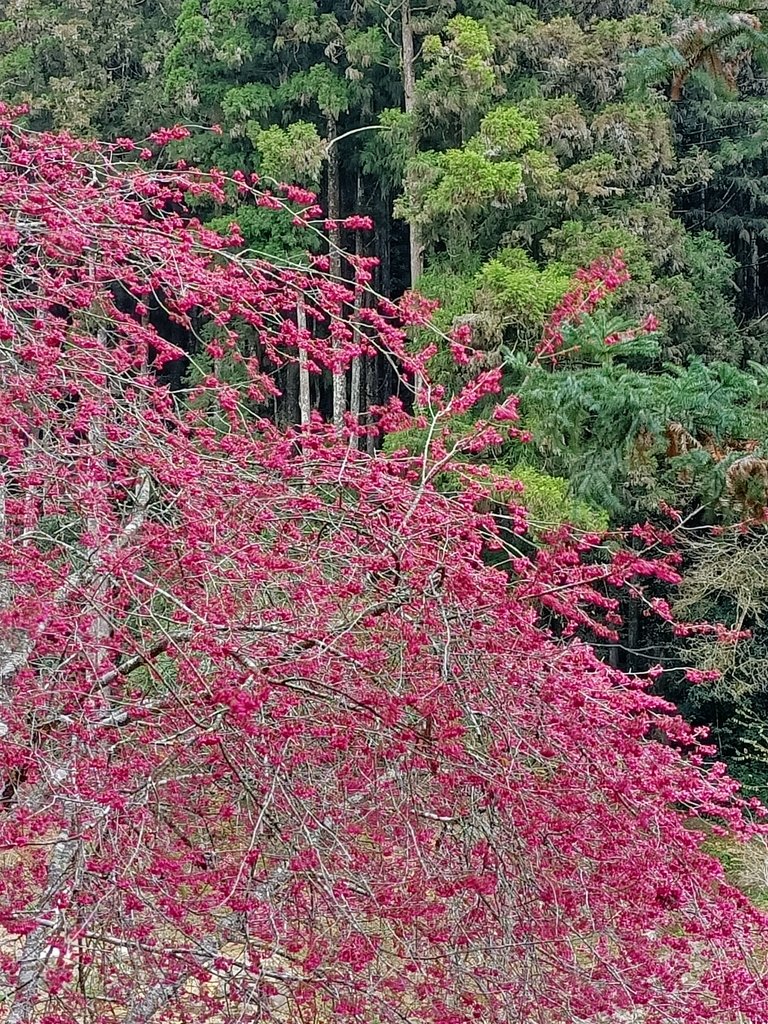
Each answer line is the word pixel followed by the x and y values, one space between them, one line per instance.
pixel 276 742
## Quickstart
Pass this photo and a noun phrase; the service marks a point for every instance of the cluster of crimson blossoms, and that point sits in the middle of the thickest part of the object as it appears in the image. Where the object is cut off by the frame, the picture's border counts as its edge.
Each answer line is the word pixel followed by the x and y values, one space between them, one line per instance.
pixel 591 286
pixel 276 743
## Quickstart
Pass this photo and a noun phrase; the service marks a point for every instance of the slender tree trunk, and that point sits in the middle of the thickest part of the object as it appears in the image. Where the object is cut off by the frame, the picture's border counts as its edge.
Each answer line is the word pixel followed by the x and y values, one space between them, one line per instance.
pixel 754 273
pixel 633 633
pixel 408 55
pixel 384 245
pixel 370 395
pixel 409 94
pixel 290 403
pixel 334 213
pixel 355 387
pixel 305 407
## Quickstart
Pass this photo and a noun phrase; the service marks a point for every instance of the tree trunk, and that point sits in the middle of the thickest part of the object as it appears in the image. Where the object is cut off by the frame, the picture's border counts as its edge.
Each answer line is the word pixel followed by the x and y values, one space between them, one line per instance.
pixel 370 395
pixel 355 386
pixel 384 245
pixel 305 406
pixel 753 273
pixel 289 407
pixel 354 404
pixel 416 253
pixel 334 213
pixel 409 93
pixel 633 633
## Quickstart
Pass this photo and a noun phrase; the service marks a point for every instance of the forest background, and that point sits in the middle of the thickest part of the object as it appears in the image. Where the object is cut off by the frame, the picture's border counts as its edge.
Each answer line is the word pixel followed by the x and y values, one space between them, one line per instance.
pixel 499 149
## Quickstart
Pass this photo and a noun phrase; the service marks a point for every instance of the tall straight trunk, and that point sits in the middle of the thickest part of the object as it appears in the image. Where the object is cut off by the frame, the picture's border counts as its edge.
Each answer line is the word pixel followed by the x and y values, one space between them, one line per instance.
pixel 384 245
pixel 384 252
pixel 334 213
pixel 355 387
pixel 634 627
pixel 289 407
pixel 409 94
pixel 754 273
pixel 371 396
pixel 305 406
pixel 416 252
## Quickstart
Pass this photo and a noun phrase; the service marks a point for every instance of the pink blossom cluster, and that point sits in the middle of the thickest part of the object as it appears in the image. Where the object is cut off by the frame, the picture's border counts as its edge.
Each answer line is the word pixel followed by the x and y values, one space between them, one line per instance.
pixel 592 285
